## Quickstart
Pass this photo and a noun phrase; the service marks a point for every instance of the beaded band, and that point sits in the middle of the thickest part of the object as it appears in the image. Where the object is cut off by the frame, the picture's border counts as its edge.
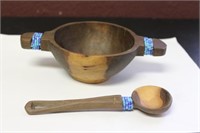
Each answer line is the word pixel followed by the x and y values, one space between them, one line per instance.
pixel 36 40
pixel 127 103
pixel 148 43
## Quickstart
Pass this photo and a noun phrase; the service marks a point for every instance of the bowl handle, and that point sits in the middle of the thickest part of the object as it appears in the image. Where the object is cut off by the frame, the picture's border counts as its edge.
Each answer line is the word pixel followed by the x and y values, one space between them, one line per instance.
pixel 150 46
pixel 35 40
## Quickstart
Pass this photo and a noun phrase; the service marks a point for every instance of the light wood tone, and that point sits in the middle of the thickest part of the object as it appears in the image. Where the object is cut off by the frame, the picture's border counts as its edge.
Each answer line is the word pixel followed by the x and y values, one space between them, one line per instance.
pixel 86 69
pixel 150 98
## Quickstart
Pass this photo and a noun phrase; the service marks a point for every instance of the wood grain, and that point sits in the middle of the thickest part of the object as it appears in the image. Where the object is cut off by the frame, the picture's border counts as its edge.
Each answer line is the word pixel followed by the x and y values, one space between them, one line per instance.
pixel 88 69
pixel 104 103
pixel 152 99
pixel 93 51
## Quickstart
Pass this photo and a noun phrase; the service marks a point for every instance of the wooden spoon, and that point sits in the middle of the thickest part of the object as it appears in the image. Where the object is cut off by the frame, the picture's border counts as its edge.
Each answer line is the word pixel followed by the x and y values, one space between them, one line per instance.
pixel 149 99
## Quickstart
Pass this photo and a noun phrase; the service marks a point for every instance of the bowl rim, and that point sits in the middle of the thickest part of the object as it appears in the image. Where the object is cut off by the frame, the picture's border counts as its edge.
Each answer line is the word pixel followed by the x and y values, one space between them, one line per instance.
pixel 53 42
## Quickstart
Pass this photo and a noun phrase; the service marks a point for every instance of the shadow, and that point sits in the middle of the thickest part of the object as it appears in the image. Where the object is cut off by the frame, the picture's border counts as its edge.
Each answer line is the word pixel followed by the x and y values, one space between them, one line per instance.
pixel 146 67
pixel 47 62
pixel 135 68
pixel 50 62
pixel 151 115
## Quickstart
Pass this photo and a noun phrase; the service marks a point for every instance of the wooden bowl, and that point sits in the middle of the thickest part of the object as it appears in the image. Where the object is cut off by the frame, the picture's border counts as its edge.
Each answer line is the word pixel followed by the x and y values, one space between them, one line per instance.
pixel 92 51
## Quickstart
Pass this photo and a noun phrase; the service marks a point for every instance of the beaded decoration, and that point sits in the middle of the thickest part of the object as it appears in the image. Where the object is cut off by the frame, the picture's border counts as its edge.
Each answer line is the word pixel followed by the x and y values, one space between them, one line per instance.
pixel 127 103
pixel 36 40
pixel 148 43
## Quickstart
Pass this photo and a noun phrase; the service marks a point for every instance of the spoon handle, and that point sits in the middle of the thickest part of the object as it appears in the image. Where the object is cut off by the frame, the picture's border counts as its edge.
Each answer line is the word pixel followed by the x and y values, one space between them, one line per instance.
pixel 104 103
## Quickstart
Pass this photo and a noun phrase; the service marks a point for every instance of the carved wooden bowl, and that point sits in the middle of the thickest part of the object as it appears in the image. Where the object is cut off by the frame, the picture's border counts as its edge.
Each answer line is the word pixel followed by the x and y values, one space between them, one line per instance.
pixel 92 51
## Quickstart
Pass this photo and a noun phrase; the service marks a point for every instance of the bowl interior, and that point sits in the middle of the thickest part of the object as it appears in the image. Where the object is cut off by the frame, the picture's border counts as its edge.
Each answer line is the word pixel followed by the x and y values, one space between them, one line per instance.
pixel 94 38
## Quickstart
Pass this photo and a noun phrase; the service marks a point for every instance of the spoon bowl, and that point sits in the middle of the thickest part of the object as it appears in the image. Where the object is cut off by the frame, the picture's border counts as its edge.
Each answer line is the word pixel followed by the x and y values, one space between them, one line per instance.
pixel 151 99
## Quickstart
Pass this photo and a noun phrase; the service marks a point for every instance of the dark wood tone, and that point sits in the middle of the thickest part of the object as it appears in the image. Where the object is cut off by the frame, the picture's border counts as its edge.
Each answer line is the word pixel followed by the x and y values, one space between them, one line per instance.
pixel 92 51
pixel 152 100
pixel 122 9
pixel 106 103
pixel 186 31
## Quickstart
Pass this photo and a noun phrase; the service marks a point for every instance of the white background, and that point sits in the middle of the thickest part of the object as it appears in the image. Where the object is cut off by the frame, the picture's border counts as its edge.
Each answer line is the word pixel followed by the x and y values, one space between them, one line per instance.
pixel 35 75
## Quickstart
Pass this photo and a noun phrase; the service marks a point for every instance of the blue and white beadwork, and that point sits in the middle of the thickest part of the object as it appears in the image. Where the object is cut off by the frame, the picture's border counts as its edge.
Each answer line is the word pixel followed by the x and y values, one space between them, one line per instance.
pixel 127 103
pixel 36 40
pixel 148 43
